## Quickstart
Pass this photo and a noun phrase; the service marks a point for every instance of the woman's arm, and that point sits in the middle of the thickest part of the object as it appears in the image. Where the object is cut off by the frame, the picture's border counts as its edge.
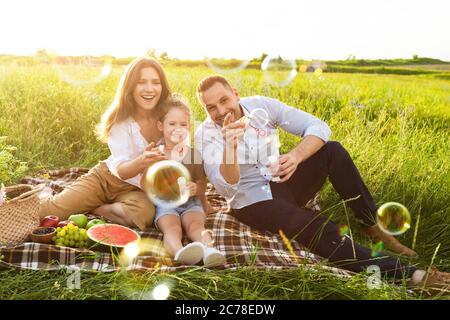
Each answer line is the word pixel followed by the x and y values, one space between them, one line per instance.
pixel 132 168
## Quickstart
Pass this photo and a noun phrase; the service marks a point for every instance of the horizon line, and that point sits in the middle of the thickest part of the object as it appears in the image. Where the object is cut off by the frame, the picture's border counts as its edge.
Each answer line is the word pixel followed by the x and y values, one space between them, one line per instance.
pixel 204 58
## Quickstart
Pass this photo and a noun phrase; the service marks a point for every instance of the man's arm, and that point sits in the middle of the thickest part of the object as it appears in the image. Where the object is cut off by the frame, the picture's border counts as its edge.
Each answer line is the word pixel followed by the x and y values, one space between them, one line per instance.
pixel 314 131
pixel 232 131
pixel 209 144
pixel 307 147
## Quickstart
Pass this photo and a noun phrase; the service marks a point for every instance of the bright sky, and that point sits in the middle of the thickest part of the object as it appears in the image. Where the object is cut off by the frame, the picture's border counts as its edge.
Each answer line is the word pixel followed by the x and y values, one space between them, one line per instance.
pixel 309 29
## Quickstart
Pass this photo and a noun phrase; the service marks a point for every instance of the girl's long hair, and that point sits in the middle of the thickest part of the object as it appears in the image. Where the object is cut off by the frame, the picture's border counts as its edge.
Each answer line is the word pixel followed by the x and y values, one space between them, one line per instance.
pixel 124 105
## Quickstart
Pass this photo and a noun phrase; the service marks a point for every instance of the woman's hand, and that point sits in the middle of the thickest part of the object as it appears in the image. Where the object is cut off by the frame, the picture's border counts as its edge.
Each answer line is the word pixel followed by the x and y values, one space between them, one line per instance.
pixel 151 155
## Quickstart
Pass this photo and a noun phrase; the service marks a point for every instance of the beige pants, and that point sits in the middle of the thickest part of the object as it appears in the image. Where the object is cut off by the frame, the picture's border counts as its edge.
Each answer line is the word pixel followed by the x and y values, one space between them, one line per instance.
pixel 99 186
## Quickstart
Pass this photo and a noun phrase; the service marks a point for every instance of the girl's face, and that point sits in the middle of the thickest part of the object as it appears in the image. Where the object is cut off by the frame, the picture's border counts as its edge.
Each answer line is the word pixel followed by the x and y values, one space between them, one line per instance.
pixel 175 127
pixel 147 91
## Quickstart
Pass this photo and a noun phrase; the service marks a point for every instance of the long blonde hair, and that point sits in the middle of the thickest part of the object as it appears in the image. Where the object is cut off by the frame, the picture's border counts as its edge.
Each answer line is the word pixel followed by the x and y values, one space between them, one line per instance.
pixel 124 105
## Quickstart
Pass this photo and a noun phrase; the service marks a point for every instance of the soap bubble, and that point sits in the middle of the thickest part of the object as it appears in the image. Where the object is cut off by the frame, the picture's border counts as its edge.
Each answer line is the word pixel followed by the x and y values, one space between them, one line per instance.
pixel 226 66
pixel 220 58
pixel 80 70
pixel 279 71
pixel 211 235
pixel 393 218
pixel 165 183
pixel 258 118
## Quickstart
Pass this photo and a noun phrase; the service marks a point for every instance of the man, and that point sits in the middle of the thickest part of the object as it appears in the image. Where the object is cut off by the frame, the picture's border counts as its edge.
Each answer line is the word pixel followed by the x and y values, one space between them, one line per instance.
pixel 230 141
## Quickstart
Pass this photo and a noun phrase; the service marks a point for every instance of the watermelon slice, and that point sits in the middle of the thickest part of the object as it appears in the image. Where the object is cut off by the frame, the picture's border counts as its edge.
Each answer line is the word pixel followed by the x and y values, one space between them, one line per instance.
pixel 112 235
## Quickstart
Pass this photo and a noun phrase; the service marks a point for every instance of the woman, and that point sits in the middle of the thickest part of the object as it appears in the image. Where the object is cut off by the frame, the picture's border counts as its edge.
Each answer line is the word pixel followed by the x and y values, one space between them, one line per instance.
pixel 112 188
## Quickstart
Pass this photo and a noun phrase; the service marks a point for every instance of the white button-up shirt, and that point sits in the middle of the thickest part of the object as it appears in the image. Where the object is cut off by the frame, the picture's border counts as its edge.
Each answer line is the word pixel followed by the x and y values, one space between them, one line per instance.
pixel 126 143
pixel 258 147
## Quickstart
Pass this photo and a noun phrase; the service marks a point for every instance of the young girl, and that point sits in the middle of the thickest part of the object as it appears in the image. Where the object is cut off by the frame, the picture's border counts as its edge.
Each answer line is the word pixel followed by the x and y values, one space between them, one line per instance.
pixel 174 124
pixel 112 188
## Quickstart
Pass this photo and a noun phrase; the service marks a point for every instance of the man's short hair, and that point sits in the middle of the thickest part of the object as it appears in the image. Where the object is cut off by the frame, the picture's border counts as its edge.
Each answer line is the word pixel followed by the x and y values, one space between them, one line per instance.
pixel 209 81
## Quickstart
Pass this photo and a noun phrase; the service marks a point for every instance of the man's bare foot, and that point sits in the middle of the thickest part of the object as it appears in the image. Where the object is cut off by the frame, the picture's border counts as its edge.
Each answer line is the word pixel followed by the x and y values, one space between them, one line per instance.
pixel 431 282
pixel 390 242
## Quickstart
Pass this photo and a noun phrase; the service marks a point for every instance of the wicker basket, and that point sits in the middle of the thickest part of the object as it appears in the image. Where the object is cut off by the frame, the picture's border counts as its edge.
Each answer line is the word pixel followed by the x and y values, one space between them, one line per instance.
pixel 20 215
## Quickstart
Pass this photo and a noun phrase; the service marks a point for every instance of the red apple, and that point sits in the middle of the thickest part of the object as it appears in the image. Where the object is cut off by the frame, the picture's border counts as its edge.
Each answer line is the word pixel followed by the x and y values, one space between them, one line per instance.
pixel 65 223
pixel 50 221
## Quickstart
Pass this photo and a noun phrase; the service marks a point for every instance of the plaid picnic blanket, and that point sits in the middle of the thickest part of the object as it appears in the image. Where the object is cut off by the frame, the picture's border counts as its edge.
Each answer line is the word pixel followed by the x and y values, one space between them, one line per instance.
pixel 242 245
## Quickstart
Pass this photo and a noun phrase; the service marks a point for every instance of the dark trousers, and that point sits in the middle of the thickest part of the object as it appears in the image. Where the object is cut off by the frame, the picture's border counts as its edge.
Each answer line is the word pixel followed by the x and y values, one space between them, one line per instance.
pixel 313 229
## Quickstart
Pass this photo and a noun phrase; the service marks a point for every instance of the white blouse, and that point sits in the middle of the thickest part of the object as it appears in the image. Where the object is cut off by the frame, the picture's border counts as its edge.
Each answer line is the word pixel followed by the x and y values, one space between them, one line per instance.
pixel 126 143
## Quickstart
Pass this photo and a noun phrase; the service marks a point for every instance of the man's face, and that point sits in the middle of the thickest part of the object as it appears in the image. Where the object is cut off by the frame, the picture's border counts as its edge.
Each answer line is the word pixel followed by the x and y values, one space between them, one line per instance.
pixel 220 100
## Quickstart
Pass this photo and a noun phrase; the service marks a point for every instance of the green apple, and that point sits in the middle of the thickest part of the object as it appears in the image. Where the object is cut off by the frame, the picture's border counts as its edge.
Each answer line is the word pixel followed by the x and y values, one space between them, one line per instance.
pixel 94 222
pixel 80 219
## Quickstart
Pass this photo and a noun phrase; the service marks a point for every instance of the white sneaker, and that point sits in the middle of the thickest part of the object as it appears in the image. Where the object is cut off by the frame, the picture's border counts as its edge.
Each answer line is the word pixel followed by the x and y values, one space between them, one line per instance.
pixel 213 257
pixel 190 254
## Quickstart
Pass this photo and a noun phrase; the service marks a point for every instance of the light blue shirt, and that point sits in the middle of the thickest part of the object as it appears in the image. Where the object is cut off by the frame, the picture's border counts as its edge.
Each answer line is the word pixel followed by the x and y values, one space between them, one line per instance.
pixel 258 147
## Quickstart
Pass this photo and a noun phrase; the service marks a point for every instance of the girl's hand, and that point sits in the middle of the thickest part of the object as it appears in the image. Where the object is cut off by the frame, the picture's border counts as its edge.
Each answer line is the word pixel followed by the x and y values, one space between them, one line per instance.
pixel 192 187
pixel 151 155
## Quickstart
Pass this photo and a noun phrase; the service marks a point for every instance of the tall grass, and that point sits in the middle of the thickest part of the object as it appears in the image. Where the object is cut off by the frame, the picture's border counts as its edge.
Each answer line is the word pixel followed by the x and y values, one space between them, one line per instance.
pixel 396 128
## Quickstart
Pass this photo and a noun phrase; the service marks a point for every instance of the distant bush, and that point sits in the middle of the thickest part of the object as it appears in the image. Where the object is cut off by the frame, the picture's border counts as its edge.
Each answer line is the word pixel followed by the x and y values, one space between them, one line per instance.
pixel 386 62
pixel 378 70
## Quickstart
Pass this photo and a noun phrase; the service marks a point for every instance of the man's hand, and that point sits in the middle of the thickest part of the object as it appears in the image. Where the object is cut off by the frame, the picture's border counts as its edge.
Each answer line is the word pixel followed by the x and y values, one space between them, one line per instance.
pixel 232 131
pixel 287 164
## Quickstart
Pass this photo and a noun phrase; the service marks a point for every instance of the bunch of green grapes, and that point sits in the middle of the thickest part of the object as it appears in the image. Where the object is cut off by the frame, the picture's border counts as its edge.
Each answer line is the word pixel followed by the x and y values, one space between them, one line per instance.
pixel 71 236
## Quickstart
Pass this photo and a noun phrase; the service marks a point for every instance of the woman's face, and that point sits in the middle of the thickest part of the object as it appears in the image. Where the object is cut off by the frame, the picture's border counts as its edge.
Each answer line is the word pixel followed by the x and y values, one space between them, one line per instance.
pixel 147 91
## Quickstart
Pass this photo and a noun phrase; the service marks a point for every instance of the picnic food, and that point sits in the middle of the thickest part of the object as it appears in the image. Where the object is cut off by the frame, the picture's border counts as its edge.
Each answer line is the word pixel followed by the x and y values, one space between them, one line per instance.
pixel 65 223
pixel 43 234
pixel 71 236
pixel 94 222
pixel 50 221
pixel 111 235
pixel 80 219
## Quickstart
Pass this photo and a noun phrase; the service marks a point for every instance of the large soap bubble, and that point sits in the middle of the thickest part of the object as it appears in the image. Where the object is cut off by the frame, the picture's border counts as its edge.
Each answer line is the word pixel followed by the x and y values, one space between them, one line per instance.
pixel 279 71
pixel 393 218
pixel 165 183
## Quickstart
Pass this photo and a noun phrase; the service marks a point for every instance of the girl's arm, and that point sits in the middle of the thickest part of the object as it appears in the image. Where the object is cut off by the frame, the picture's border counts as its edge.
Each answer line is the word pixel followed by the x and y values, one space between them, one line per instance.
pixel 201 193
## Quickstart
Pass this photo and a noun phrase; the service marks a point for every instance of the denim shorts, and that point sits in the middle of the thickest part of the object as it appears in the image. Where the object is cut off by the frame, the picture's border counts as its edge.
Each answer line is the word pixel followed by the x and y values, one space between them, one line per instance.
pixel 193 204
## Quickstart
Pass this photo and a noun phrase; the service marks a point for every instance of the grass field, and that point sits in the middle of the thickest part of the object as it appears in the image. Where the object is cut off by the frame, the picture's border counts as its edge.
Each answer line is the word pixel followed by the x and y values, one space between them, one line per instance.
pixel 396 128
